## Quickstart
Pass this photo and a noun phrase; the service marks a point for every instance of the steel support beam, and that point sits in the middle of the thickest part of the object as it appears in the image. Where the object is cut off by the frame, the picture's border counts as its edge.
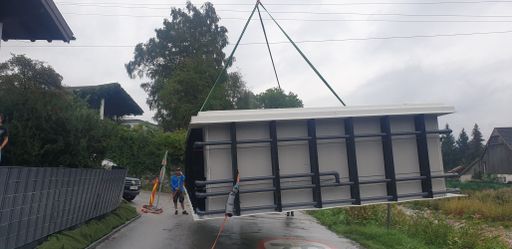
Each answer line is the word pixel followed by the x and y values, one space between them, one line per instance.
pixel 313 161
pixel 423 158
pixel 389 163
pixel 274 157
pixel 234 164
pixel 352 161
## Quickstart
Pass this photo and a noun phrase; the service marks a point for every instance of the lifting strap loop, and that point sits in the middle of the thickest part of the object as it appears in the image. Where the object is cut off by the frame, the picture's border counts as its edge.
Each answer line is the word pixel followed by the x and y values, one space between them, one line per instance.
pixel 303 56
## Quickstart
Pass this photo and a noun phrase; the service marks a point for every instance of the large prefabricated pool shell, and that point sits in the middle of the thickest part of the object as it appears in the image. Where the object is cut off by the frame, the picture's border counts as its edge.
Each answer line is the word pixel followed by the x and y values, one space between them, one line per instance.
pixel 307 158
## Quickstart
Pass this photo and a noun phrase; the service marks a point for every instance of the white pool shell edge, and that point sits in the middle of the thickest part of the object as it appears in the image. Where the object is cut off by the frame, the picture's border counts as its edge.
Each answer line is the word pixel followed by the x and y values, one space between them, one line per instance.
pixel 255 115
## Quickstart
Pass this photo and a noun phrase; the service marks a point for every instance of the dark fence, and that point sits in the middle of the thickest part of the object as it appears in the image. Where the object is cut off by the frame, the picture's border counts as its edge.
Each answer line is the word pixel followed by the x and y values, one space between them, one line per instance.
pixel 36 202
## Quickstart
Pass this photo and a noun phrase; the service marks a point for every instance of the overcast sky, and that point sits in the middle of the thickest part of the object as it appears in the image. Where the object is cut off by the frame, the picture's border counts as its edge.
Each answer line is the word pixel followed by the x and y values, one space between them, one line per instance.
pixel 460 66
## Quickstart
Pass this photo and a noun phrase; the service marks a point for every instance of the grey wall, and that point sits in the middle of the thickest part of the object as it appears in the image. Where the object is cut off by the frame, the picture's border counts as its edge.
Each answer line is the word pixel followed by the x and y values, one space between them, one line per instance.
pixel 36 202
pixel 498 159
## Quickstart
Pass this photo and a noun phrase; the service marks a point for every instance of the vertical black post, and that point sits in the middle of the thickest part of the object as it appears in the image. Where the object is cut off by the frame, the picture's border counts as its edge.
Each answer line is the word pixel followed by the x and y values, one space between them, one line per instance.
pixel 313 161
pixel 234 164
pixel 422 145
pixel 387 151
pixel 274 155
pixel 352 161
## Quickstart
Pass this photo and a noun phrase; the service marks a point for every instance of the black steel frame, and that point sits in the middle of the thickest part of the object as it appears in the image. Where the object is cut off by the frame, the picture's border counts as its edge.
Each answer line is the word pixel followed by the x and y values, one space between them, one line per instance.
pixel 274 154
pixel 316 185
pixel 424 162
pixel 234 165
pixel 387 151
pixel 313 161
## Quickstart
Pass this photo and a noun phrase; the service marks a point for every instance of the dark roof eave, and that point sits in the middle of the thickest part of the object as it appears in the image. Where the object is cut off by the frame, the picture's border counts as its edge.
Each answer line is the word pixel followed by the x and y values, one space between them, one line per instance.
pixel 67 34
pixel 130 108
pixel 33 20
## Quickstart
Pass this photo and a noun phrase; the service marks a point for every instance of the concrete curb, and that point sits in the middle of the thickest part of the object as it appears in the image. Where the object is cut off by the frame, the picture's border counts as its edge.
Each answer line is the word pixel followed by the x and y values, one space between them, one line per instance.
pixel 117 229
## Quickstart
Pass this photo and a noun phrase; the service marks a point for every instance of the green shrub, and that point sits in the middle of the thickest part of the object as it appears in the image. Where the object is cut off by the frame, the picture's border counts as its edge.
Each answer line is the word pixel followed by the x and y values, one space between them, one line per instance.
pixel 141 150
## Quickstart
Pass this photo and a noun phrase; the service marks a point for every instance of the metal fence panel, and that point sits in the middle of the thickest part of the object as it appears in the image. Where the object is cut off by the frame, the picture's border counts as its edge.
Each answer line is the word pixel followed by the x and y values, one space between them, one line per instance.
pixel 37 202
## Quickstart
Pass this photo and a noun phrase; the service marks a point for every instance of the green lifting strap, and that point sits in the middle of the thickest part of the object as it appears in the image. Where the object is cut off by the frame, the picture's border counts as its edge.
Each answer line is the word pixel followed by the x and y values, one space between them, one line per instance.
pixel 302 54
pixel 230 58
pixel 268 47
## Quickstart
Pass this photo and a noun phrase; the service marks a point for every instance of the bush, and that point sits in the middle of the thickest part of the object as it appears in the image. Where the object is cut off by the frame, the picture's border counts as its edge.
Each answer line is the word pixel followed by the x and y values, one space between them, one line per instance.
pixel 47 126
pixel 141 150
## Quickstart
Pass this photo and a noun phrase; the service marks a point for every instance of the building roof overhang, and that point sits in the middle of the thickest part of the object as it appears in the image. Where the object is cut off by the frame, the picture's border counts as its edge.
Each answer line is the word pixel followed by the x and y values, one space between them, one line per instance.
pixel 33 20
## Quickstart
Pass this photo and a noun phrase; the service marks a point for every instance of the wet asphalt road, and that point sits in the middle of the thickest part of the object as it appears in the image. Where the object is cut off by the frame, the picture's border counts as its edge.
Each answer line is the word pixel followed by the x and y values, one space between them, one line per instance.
pixel 267 231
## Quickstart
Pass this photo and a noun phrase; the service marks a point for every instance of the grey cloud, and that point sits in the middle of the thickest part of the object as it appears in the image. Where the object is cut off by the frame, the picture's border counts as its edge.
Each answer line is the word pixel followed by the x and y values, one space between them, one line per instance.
pixel 480 94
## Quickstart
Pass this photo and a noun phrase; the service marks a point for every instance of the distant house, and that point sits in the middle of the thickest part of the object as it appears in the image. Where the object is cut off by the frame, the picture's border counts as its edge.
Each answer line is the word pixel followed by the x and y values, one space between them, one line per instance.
pixel 467 173
pixel 496 159
pixel 32 20
pixel 111 100
pixel 132 123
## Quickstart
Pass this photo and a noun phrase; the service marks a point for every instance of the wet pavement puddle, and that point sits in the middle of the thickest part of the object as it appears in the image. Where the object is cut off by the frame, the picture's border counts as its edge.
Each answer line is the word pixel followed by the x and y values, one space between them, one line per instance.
pixel 291 243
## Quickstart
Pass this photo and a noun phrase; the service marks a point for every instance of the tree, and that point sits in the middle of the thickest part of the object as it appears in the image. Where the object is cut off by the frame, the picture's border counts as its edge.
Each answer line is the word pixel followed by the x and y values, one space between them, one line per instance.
pixel 182 63
pixel 475 146
pixel 449 150
pixel 47 126
pixel 25 73
pixel 237 93
pixel 277 98
pixel 462 148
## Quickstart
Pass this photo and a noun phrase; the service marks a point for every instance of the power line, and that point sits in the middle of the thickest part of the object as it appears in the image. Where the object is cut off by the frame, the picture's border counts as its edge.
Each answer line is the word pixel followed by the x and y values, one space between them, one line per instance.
pixel 375 14
pixel 316 13
pixel 286 42
pixel 290 4
pixel 307 20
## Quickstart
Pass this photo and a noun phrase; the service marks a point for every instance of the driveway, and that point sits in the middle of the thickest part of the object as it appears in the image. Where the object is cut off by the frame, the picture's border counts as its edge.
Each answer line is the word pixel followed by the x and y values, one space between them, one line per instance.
pixel 266 231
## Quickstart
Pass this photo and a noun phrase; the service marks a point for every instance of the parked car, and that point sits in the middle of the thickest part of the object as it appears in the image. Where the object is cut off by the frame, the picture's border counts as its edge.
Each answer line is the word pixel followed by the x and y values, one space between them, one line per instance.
pixel 131 188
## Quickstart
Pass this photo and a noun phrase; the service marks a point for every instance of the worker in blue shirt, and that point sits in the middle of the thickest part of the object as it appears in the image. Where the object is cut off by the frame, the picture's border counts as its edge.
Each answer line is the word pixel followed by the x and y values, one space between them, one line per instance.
pixel 178 190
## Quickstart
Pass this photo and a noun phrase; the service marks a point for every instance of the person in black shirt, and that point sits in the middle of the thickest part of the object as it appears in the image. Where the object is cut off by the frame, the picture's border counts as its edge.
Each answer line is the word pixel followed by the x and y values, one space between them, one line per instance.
pixel 4 135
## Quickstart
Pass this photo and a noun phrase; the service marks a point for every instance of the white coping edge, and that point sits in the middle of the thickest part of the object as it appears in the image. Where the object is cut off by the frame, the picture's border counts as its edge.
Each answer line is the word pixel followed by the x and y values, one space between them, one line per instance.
pixel 219 117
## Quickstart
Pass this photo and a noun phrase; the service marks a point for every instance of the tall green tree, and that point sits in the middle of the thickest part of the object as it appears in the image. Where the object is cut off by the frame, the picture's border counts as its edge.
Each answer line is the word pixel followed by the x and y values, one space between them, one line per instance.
pixel 237 93
pixel 475 146
pixel 449 150
pixel 24 73
pixel 463 148
pixel 277 98
pixel 182 62
pixel 47 126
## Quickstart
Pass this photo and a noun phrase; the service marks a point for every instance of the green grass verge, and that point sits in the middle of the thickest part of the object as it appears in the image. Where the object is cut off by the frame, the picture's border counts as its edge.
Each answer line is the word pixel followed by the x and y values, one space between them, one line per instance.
pixel 375 237
pixel 91 231
pixel 476 185
pixel 492 204
pixel 366 225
